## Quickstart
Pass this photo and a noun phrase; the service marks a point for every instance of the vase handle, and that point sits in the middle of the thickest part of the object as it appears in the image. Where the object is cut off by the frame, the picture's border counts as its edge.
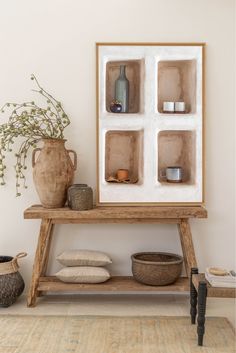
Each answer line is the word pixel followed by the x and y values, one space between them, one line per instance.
pixel 33 155
pixel 75 158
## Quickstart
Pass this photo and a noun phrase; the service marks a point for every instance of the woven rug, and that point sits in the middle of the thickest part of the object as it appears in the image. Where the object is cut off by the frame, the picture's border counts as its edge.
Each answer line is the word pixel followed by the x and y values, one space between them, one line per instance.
pixel 78 334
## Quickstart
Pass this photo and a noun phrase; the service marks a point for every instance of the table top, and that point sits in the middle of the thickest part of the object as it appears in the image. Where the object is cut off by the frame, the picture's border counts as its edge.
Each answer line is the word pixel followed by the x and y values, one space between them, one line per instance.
pixel 111 213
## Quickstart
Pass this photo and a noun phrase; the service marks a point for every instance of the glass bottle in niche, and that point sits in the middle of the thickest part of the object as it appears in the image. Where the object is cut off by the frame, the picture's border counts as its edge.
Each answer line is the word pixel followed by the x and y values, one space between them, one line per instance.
pixel 122 90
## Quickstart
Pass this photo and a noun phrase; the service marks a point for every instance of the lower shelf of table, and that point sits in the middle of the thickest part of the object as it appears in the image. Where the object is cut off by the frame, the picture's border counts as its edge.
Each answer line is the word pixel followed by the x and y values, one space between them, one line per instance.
pixel 115 284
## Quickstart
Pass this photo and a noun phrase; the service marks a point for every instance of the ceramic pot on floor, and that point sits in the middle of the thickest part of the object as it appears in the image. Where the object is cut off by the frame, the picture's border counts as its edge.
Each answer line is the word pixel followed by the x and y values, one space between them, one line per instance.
pixel 53 172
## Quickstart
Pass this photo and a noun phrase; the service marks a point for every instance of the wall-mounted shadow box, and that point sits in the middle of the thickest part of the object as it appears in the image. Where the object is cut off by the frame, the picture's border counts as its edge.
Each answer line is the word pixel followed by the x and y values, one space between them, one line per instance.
pixel 136 134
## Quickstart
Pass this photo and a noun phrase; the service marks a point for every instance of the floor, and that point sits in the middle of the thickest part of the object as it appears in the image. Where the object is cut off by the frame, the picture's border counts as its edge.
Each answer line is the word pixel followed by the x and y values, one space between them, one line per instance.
pixel 116 304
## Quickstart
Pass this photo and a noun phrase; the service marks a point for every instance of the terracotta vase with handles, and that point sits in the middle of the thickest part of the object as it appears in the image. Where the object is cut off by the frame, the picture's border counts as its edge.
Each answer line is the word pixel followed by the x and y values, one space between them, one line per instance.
pixel 53 172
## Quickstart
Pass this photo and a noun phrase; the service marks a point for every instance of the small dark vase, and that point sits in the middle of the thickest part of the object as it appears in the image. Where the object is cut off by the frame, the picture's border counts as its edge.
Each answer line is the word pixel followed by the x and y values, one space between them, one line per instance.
pixel 116 107
pixel 80 197
pixel 11 281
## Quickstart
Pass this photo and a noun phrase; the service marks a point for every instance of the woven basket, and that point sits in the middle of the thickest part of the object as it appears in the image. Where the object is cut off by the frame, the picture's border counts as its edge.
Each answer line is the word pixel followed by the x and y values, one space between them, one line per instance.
pixel 156 268
pixel 11 281
pixel 9 264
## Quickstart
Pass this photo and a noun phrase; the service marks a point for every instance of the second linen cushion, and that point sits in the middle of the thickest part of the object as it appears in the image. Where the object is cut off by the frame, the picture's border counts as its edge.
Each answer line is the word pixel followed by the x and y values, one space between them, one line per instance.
pixel 83 274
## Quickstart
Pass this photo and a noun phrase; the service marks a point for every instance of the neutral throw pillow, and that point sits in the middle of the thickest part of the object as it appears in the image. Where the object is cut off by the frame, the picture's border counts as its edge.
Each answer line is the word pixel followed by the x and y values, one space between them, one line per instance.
pixel 83 258
pixel 83 274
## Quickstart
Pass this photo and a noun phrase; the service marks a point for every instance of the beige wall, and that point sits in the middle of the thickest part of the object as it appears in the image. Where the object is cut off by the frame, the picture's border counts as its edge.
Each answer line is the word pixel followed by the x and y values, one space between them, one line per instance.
pixel 55 39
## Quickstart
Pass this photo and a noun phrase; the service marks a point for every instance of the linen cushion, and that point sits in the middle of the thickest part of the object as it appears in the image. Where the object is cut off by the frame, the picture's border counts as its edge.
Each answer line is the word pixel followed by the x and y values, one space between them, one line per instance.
pixel 83 258
pixel 83 274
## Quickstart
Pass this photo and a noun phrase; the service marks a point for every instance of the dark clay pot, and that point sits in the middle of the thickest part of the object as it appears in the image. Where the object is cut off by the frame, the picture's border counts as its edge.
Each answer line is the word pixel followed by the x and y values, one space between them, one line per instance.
pixel 80 197
pixel 11 285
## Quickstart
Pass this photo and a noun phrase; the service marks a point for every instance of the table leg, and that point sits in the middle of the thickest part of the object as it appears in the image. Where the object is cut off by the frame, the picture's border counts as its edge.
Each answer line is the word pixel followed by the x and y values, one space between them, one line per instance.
pixel 46 254
pixel 40 259
pixel 202 295
pixel 193 297
pixel 187 245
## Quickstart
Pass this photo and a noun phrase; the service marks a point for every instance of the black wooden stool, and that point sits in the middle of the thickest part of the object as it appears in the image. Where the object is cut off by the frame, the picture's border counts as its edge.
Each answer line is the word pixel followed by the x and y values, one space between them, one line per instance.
pixel 200 289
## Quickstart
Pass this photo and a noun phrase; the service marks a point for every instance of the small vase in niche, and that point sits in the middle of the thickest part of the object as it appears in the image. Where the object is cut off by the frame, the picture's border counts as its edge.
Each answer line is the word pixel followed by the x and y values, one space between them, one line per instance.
pixel 116 107
pixel 122 90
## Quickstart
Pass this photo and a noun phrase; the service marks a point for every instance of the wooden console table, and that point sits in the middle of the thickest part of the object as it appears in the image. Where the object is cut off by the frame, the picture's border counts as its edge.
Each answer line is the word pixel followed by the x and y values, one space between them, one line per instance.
pixel 128 214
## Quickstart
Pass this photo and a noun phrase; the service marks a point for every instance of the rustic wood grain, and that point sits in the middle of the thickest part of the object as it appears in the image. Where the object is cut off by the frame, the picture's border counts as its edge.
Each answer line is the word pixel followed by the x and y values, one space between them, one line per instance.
pixel 115 284
pixel 47 249
pixel 133 215
pixel 40 259
pixel 187 245
pixel 217 292
pixel 46 253
pixel 115 213
pixel 117 221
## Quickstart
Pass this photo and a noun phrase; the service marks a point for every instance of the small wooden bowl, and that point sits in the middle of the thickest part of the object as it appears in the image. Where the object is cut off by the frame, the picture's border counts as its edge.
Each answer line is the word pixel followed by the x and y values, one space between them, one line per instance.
pixel 156 268
pixel 217 271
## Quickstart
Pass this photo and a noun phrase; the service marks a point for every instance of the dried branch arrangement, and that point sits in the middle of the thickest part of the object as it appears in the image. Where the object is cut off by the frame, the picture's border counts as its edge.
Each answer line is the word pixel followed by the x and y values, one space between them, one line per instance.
pixel 30 123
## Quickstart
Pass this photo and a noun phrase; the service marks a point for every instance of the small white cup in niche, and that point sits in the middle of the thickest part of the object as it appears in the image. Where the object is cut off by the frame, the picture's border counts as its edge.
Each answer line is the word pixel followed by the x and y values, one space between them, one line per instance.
pixel 168 107
pixel 172 174
pixel 180 107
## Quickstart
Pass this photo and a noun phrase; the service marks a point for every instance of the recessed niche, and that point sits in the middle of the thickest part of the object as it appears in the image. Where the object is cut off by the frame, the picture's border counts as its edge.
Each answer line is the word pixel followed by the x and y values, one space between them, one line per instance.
pixel 177 148
pixel 177 83
pixel 124 150
pixel 133 74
